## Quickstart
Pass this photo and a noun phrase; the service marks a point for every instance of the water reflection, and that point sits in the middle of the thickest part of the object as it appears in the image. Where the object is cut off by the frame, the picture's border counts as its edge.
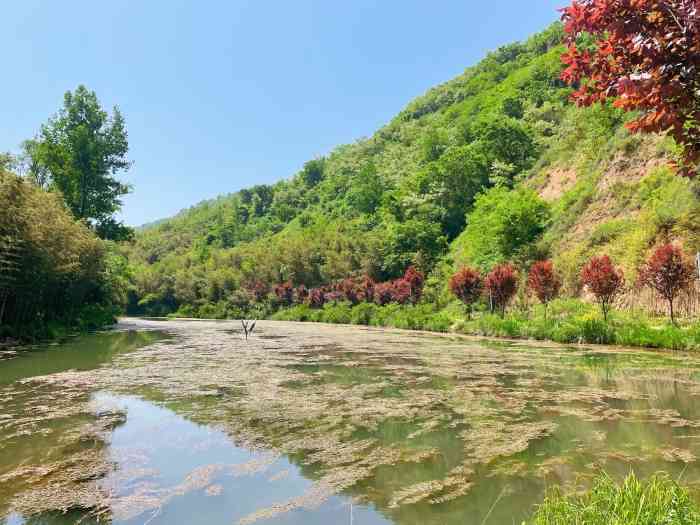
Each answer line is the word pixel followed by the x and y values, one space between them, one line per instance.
pixel 293 425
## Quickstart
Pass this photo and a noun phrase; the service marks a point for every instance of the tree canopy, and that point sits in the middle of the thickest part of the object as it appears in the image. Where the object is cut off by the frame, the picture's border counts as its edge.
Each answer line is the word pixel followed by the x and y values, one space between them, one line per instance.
pixel 79 152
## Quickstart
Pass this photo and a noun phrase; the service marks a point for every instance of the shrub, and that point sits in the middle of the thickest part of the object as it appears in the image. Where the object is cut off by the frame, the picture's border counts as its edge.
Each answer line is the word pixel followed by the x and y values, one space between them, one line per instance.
pixel 301 294
pixel 603 280
pixel 285 294
pixel 500 285
pixel 544 283
pixel 350 290
pixel 367 287
pixel 363 313
pixel 316 298
pixel 383 293
pixel 668 272
pixel 467 286
pixel 415 281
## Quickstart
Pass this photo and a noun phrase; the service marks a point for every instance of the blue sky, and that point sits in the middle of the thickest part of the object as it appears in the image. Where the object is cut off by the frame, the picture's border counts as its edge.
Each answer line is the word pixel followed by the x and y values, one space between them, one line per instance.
pixel 222 95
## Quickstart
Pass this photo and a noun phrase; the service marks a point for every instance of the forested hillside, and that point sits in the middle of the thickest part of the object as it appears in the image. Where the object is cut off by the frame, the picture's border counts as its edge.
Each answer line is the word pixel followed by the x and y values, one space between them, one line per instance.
pixel 495 165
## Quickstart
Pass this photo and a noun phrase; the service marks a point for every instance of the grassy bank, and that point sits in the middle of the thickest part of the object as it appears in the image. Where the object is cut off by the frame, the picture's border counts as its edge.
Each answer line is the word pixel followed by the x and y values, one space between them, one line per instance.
pixel 566 322
pixel 633 502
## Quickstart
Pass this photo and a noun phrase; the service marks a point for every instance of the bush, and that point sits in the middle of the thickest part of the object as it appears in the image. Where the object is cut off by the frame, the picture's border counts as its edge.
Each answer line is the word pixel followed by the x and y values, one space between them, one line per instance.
pixel 659 500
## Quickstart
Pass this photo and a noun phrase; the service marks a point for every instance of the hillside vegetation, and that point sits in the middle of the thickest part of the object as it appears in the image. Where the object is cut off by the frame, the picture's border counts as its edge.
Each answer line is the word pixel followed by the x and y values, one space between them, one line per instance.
pixel 495 165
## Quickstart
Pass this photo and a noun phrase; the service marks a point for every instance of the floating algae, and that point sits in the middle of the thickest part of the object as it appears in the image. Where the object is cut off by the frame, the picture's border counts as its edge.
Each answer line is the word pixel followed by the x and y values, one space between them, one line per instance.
pixel 406 422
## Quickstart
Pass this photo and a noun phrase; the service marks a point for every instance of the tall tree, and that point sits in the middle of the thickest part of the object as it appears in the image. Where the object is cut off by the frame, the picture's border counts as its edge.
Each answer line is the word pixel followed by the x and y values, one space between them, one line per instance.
pixel 79 152
pixel 645 54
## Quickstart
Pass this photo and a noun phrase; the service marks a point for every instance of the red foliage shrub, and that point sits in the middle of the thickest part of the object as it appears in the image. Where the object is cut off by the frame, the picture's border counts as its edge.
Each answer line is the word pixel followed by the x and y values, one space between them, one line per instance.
pixel 285 293
pixel 415 281
pixel 350 290
pixel 300 294
pixel 316 298
pixel 544 282
pixel 645 54
pixel 383 293
pixel 258 291
pixel 334 296
pixel 367 289
pixel 402 292
pixel 603 280
pixel 668 272
pixel 467 285
pixel 500 285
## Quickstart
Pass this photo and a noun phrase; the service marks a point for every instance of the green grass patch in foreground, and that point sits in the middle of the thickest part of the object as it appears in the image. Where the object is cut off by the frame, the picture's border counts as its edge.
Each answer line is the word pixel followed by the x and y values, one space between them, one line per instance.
pixel 656 501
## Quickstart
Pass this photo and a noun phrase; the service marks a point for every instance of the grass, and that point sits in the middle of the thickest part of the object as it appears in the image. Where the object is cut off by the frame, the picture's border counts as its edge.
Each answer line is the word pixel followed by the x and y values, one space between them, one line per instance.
pixel 656 501
pixel 568 321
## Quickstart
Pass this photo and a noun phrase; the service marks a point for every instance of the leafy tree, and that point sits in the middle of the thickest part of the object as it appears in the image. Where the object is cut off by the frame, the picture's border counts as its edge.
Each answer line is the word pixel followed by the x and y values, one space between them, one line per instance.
pixel 503 226
pixel 312 172
pixel 603 280
pixel 500 285
pixel 668 272
pixel 365 194
pixel 505 140
pixel 452 182
pixel 80 150
pixel 467 286
pixel 544 282
pixel 646 55
pixel 406 243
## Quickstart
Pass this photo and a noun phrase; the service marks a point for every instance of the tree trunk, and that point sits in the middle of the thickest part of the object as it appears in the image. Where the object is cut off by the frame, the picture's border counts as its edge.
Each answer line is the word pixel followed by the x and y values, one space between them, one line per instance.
pixel 670 307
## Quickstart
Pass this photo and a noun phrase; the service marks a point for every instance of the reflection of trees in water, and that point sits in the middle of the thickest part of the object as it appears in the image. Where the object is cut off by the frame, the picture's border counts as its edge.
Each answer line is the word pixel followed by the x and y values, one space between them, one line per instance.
pixel 423 405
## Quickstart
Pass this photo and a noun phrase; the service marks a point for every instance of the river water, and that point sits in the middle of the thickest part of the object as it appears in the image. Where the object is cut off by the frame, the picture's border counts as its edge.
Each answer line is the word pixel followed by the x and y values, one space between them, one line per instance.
pixel 186 422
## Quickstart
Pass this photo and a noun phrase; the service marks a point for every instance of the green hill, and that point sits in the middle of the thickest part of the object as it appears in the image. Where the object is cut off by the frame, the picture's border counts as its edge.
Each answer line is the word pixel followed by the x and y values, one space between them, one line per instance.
pixel 493 165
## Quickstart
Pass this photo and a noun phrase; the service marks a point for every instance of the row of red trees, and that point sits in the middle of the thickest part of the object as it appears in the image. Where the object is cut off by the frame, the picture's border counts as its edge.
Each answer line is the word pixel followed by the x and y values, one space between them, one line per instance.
pixel 668 272
pixel 408 289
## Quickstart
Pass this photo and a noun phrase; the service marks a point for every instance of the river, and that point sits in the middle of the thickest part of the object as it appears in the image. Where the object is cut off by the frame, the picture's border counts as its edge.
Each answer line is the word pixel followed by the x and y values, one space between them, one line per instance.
pixel 186 422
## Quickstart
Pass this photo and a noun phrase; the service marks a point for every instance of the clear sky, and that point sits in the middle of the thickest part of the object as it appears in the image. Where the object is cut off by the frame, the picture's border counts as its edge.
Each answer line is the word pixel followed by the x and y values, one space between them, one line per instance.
pixel 220 95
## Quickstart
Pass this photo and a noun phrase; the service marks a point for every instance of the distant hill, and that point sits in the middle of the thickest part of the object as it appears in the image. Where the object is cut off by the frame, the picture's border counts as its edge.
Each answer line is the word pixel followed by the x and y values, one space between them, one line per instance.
pixel 504 131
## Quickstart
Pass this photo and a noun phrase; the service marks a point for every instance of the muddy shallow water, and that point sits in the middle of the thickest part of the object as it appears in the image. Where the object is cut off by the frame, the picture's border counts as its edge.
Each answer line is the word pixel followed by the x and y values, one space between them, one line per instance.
pixel 183 422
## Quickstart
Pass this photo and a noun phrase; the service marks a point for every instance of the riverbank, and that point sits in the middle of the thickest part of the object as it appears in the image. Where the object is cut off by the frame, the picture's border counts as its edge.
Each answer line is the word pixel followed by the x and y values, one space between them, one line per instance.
pixel 566 322
pixel 89 318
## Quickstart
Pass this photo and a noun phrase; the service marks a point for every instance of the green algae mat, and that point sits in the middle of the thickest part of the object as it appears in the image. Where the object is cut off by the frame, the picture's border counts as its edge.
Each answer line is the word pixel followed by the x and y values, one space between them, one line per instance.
pixel 185 422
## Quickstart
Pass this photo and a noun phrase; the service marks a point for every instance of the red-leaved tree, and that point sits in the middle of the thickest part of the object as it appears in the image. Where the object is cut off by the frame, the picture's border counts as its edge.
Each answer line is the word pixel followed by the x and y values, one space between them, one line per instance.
pixel 415 281
pixel 467 285
pixel 603 280
pixel 645 54
pixel 668 272
pixel 383 293
pixel 300 294
pixel 500 286
pixel 544 282
pixel 316 298
pixel 367 288
pixel 285 293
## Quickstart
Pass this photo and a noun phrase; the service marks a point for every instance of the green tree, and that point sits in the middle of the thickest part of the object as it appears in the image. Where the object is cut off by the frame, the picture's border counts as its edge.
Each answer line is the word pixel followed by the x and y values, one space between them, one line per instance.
pixel 503 224
pixel 79 152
